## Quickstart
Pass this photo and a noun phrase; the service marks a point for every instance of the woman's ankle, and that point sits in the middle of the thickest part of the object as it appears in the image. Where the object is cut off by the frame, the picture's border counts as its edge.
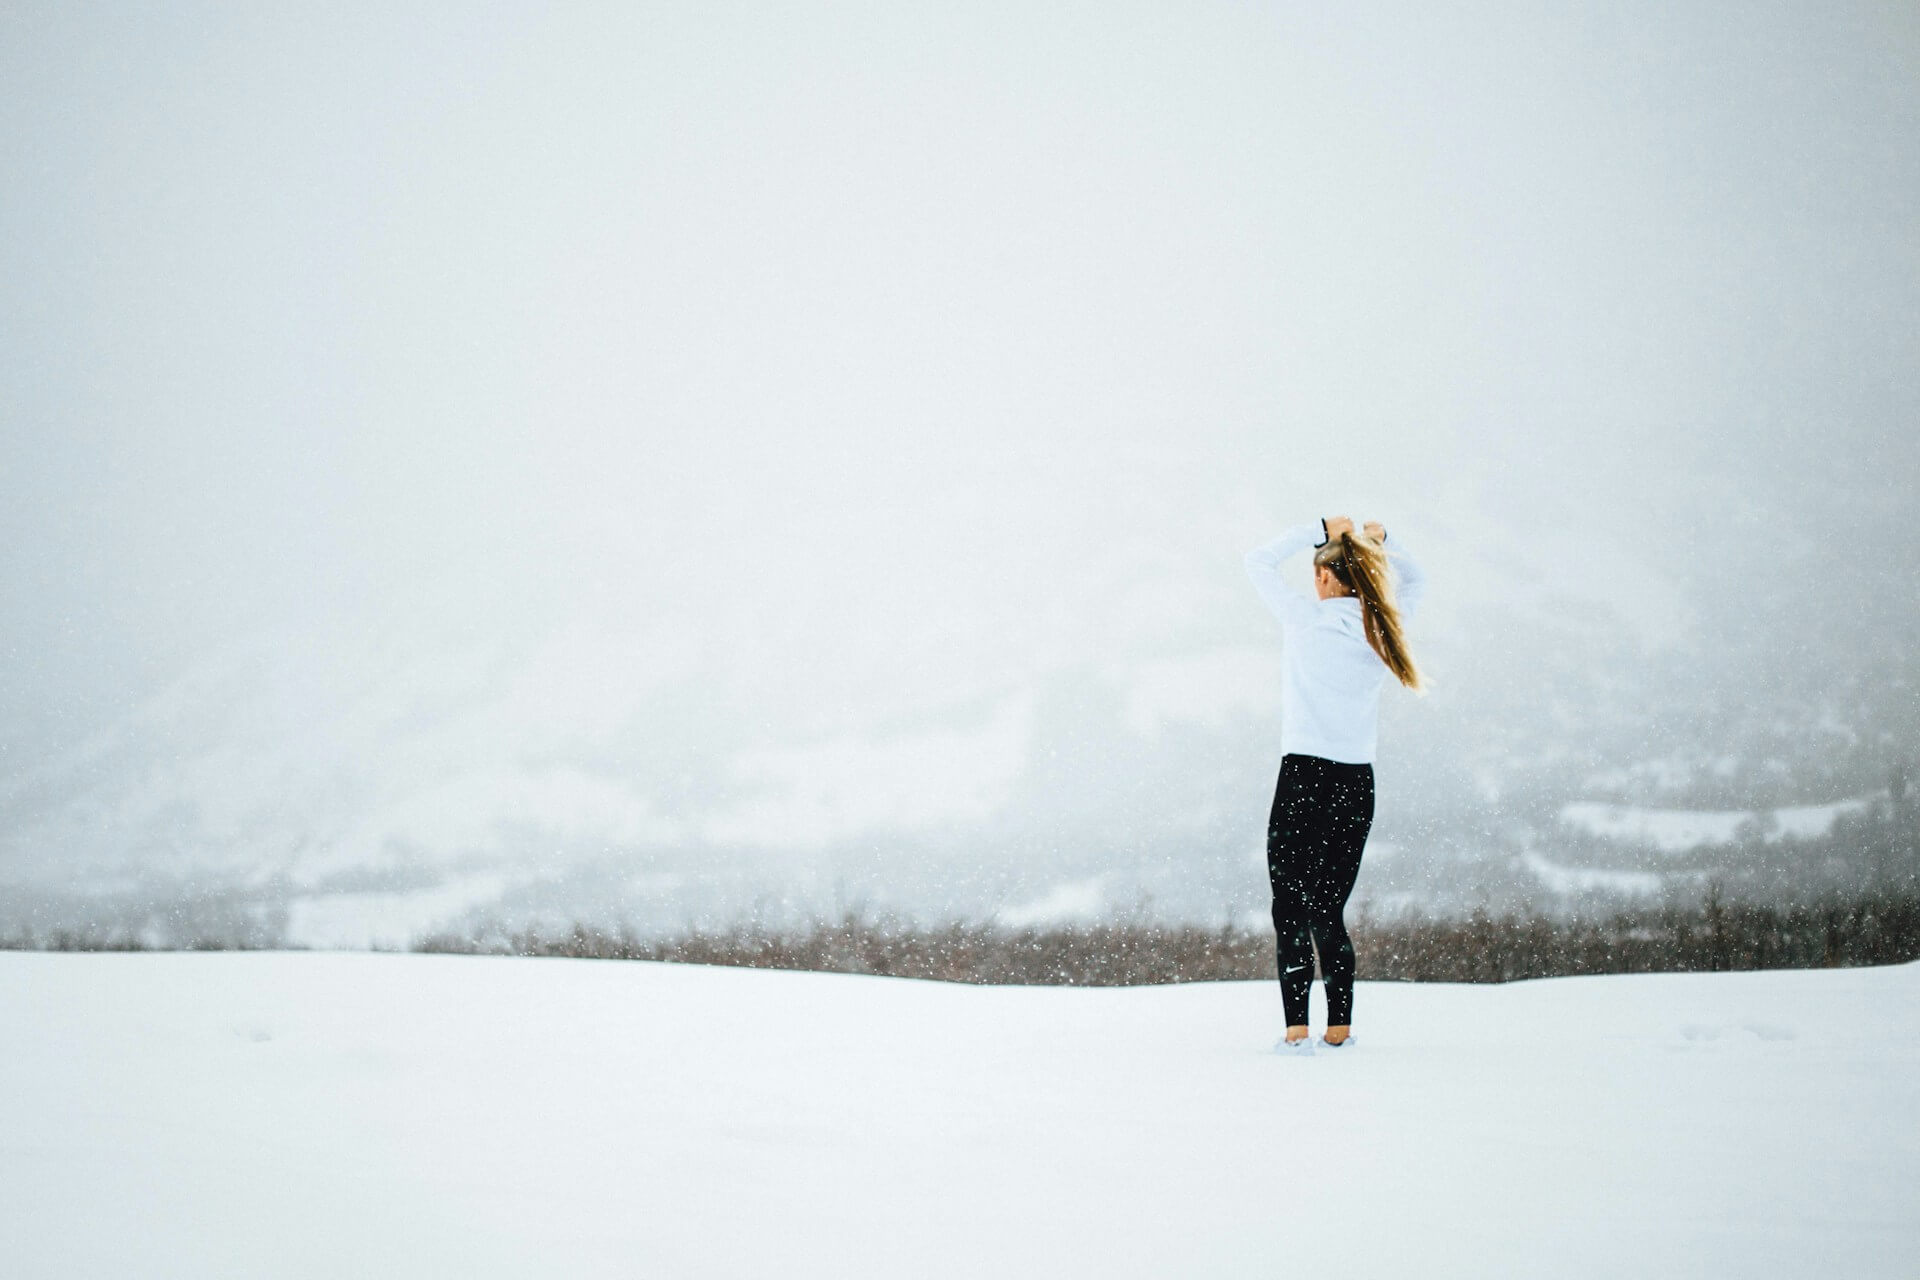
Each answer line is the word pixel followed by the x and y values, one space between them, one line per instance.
pixel 1336 1034
pixel 1297 1032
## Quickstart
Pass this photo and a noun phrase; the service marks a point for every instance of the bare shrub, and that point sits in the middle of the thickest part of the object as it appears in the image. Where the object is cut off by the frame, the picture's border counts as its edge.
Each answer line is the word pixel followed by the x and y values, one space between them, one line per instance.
pixel 1718 935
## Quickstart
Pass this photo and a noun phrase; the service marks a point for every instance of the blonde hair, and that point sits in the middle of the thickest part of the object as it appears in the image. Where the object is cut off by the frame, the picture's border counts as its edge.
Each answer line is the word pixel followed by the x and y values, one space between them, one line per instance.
pixel 1360 564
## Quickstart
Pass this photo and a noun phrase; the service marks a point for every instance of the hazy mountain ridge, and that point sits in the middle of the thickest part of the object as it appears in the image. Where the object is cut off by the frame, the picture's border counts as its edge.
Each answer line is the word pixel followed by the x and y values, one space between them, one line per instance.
pixel 517 764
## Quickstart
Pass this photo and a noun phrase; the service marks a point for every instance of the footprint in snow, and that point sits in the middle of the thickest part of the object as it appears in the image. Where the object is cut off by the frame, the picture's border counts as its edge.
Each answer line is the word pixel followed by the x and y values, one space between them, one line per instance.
pixel 1768 1031
pixel 1701 1032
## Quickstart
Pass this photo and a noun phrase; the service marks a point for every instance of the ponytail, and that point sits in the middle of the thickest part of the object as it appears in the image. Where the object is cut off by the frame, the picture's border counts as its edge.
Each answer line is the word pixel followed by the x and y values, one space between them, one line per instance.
pixel 1361 564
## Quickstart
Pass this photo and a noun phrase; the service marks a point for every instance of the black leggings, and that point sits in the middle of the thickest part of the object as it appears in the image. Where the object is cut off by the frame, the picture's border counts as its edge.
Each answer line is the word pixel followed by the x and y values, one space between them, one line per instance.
pixel 1322 810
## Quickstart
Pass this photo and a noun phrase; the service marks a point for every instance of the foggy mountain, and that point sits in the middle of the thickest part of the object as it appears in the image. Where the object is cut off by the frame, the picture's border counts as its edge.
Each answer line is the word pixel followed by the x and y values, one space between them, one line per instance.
pixel 350 787
pixel 669 467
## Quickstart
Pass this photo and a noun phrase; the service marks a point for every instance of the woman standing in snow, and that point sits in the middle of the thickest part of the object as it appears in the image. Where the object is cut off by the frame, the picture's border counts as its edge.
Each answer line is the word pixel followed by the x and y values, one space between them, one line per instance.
pixel 1340 645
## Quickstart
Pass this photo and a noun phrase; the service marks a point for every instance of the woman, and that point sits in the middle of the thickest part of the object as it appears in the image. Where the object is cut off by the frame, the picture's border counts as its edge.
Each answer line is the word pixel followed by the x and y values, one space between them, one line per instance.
pixel 1339 649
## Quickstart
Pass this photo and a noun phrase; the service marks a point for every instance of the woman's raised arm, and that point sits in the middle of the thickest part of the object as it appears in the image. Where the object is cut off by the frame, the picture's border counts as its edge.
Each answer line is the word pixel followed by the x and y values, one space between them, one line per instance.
pixel 1289 604
pixel 1410 580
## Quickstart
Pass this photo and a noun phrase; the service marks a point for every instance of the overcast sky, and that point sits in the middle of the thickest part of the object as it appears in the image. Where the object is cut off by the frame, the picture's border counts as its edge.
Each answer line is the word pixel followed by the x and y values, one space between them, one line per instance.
pixel 850 339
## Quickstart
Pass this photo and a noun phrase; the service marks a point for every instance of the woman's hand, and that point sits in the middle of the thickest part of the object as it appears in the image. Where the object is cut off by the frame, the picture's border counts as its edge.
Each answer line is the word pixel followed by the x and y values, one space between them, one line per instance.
pixel 1337 525
pixel 1376 530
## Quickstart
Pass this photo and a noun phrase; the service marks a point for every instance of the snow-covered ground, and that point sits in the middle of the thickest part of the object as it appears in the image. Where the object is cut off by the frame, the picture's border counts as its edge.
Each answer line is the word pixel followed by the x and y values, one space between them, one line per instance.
pixel 392 920
pixel 337 1114
pixel 1682 830
pixel 1569 881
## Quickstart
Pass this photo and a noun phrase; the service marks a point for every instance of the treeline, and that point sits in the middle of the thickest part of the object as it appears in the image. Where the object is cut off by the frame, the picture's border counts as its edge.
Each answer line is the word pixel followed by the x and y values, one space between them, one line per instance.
pixel 1714 934
pixel 1482 947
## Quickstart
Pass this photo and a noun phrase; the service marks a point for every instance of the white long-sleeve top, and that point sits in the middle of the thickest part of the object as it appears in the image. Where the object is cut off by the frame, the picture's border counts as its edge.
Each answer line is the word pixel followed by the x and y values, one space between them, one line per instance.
pixel 1330 677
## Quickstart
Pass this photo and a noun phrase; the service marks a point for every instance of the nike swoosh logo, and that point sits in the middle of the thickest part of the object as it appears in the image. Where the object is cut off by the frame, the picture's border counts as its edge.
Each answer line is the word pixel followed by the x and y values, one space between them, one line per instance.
pixel 1297 968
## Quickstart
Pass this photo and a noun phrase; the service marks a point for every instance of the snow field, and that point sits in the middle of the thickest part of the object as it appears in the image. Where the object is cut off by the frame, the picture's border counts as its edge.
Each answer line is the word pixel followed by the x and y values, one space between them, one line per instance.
pixel 340 1114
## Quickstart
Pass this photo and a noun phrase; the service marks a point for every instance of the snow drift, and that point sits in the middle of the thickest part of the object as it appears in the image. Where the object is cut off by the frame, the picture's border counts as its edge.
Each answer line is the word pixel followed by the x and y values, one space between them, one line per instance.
pixel 295 1115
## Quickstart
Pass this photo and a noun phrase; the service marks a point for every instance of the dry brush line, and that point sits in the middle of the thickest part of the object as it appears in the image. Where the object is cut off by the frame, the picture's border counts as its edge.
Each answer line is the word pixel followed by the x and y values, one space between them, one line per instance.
pixel 1866 930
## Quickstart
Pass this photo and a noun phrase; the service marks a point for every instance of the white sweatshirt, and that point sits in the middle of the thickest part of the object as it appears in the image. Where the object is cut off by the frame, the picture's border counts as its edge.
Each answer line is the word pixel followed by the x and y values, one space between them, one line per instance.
pixel 1330 677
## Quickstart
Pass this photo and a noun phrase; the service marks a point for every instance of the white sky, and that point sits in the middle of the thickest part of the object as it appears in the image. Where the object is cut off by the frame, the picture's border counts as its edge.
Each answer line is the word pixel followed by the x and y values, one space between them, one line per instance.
pixel 879 346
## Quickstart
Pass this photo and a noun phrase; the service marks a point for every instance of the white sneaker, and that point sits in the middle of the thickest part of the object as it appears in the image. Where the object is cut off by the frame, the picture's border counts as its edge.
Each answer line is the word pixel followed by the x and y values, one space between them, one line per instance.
pixel 1301 1048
